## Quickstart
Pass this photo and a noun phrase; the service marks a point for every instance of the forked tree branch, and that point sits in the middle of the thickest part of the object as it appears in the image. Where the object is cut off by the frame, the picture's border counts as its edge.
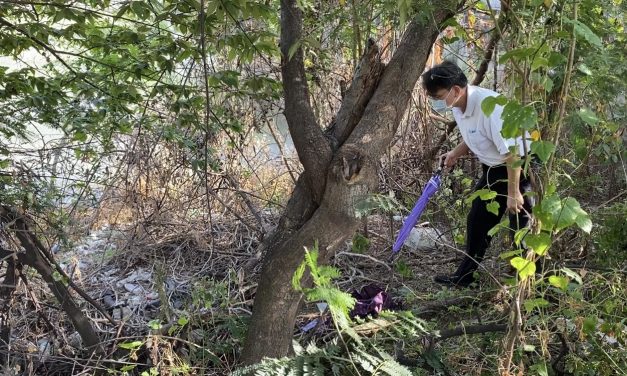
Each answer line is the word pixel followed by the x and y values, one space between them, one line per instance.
pixel 312 147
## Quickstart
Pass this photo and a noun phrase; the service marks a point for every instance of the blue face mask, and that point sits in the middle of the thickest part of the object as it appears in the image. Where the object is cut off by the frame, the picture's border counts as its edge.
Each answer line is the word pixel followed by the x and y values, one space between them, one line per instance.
pixel 440 104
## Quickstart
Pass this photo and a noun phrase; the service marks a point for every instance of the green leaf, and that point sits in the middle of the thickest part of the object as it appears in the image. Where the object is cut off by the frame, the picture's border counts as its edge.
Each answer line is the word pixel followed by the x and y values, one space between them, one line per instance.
pixel 531 304
pixel 584 223
pixel 520 234
pixel 298 276
pixel 79 136
pixel 517 54
pixel 484 193
pixel 571 213
pixel 543 149
pixel 131 345
pixel 539 242
pixel 516 117
pixel 547 83
pixel 559 281
pixel 588 116
pixel 493 207
pixel 539 62
pixel 547 211
pixel 572 274
pixel 182 321
pixel 508 254
pixel 525 267
pixel 502 225
pixel 360 243
pixel 489 103
pixel 487 194
pixel 293 49
pixel 556 59
pixel 583 68
pixel 590 324
pixel 584 31
pixel 540 369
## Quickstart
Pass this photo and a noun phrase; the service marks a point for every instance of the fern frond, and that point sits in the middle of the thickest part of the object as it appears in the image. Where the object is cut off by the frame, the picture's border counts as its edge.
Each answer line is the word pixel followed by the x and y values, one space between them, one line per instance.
pixel 298 276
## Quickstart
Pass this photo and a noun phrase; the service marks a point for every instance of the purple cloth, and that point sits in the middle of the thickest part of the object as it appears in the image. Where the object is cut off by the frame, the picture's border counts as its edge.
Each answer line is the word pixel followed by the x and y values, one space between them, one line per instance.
pixel 419 207
pixel 371 300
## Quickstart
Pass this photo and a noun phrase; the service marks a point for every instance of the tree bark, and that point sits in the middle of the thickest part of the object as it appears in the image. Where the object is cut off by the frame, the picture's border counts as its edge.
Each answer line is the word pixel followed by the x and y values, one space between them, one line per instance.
pixel 6 297
pixel 33 258
pixel 341 177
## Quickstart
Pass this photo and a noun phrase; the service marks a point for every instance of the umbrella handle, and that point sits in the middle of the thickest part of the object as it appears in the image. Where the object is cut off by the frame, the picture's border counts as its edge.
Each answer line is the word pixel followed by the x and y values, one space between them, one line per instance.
pixel 441 166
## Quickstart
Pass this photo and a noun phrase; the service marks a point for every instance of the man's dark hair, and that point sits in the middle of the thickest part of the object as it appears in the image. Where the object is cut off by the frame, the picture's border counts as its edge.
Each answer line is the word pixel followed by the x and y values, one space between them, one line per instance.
pixel 443 76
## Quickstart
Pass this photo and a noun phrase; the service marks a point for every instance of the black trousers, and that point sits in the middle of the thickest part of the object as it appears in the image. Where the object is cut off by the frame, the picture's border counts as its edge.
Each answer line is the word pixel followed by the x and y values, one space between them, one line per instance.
pixel 480 220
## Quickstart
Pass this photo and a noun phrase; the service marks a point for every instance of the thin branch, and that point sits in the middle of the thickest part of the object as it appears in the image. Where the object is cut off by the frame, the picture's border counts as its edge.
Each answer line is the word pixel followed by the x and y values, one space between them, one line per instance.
pixel 52 51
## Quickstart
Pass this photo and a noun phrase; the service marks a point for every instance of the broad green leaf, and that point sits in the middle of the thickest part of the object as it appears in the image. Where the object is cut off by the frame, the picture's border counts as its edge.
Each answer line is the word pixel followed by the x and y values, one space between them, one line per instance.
pixel 484 194
pixel 539 242
pixel 559 281
pixel 532 304
pixel 508 254
pixel 131 345
pixel 572 274
pixel 543 149
pixel 502 225
pixel 588 116
pixel 584 31
pixel 489 103
pixel 517 54
pixel 487 194
pixel 520 234
pixel 293 49
pixel 556 59
pixel 569 214
pixel 516 117
pixel 212 6
pixel 540 368
pixel 583 68
pixel 525 267
pixel 493 207
pixel 539 62
pixel 547 83
pixel 548 210
pixel 584 223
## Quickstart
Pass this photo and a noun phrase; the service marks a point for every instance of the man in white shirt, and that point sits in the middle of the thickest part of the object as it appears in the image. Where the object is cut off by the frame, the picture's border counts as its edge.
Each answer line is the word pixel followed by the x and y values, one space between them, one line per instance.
pixel 481 135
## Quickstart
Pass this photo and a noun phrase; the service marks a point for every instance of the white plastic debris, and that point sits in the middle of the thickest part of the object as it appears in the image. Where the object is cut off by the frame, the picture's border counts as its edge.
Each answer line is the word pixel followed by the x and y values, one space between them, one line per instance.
pixel 422 239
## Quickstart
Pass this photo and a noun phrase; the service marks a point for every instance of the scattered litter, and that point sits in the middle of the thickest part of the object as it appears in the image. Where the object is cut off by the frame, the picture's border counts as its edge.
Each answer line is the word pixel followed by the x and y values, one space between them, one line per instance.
pixel 310 325
pixel 371 300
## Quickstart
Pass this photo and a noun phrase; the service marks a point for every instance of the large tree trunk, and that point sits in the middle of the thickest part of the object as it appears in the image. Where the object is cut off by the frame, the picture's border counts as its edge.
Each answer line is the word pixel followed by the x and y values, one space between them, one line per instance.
pixel 339 169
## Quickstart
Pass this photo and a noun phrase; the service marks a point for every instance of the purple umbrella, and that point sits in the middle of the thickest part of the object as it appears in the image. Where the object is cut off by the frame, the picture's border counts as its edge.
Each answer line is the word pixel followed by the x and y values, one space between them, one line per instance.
pixel 410 221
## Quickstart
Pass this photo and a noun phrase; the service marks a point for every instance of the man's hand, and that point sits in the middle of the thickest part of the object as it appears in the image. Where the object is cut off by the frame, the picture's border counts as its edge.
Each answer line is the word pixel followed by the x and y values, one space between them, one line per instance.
pixel 448 159
pixel 515 202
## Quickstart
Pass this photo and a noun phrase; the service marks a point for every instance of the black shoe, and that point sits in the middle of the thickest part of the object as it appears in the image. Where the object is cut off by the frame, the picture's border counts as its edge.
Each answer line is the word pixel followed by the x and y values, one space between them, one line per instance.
pixel 455 280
